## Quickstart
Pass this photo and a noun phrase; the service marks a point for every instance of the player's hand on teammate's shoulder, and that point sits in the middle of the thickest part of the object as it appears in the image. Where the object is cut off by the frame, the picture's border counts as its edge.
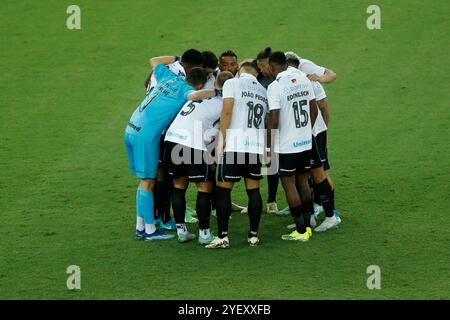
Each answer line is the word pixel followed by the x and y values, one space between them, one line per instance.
pixel 313 77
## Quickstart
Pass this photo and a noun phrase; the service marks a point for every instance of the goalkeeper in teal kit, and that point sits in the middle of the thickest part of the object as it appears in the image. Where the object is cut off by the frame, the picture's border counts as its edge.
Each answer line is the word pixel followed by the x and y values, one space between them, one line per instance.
pixel 143 132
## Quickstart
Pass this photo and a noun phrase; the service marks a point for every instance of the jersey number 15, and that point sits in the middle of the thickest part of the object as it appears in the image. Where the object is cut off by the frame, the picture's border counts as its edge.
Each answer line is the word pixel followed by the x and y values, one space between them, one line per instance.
pixel 299 111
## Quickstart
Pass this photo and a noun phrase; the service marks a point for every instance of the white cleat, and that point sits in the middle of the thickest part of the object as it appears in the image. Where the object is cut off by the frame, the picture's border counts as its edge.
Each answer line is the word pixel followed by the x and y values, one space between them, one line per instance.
pixel 313 222
pixel 218 243
pixel 244 211
pixel 236 207
pixel 318 209
pixel 253 241
pixel 272 207
pixel 327 224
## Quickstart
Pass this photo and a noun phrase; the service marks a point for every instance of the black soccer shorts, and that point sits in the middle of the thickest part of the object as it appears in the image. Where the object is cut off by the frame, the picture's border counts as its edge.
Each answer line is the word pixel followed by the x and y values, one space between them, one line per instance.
pixel 319 156
pixel 294 163
pixel 236 165
pixel 182 161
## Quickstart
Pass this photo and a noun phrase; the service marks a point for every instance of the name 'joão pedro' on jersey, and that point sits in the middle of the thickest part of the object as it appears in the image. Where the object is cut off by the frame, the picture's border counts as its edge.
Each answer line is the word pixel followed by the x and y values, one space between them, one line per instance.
pixel 151 117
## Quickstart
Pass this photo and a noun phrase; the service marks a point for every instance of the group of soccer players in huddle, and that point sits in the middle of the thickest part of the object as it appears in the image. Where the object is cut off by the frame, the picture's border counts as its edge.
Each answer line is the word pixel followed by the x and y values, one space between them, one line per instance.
pixel 212 121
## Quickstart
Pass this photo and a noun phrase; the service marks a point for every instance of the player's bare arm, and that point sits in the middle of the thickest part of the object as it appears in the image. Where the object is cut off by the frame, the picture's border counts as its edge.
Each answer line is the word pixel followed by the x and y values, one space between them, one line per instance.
pixel 313 111
pixel 225 120
pixel 323 106
pixel 162 60
pixel 274 119
pixel 327 77
pixel 202 94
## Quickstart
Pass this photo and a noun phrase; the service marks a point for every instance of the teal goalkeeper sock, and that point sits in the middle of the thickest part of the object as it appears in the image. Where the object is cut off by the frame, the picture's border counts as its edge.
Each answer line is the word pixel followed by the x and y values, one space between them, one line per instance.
pixel 145 206
pixel 138 192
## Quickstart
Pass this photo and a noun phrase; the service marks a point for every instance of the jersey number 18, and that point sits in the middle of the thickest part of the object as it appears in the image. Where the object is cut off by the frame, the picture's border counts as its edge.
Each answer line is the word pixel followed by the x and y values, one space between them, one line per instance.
pixel 255 113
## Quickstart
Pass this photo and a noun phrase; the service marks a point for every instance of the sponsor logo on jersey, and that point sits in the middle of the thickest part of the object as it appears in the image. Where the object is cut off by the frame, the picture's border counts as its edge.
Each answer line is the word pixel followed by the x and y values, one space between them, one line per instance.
pixel 298 144
pixel 134 127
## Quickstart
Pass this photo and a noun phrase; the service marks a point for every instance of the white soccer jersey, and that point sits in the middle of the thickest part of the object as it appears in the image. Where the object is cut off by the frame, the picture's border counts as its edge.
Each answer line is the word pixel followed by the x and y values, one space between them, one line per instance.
pixel 319 93
pixel 175 67
pixel 246 132
pixel 196 124
pixel 291 93
pixel 210 82
pixel 319 125
pixel 310 67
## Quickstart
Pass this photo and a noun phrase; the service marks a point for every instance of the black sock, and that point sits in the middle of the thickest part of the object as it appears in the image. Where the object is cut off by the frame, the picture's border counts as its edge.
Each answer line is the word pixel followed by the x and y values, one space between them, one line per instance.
pixel 254 211
pixel 179 204
pixel 308 210
pixel 223 209
pixel 203 208
pixel 332 199
pixel 157 202
pixel 213 191
pixel 326 197
pixel 166 197
pixel 297 214
pixel 272 182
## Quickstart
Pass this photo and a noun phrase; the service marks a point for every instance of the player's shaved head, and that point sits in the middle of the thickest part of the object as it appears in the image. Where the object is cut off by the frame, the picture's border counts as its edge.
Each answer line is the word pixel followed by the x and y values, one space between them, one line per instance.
pixel 210 61
pixel 278 63
pixel 191 58
pixel 222 77
pixel 197 77
pixel 249 67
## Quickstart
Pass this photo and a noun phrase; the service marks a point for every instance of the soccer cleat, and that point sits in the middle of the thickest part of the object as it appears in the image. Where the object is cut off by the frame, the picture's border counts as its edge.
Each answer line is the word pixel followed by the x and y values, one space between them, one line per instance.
pixel 253 241
pixel 169 226
pixel 157 222
pixel 139 234
pixel 204 241
pixel 272 207
pixel 218 243
pixel 245 210
pixel 313 221
pixel 283 212
pixel 309 230
pixel 185 237
pixel 158 235
pixel 318 209
pixel 327 224
pixel 190 216
pixel 337 215
pixel 235 207
pixel 296 236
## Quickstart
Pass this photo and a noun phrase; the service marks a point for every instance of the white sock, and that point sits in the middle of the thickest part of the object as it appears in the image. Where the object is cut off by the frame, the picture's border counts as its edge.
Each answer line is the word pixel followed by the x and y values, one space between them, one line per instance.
pixel 140 224
pixel 204 233
pixel 181 228
pixel 150 228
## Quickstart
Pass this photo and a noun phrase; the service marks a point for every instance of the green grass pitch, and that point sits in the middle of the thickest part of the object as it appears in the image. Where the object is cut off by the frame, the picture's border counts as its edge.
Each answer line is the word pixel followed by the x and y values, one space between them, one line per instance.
pixel 66 197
